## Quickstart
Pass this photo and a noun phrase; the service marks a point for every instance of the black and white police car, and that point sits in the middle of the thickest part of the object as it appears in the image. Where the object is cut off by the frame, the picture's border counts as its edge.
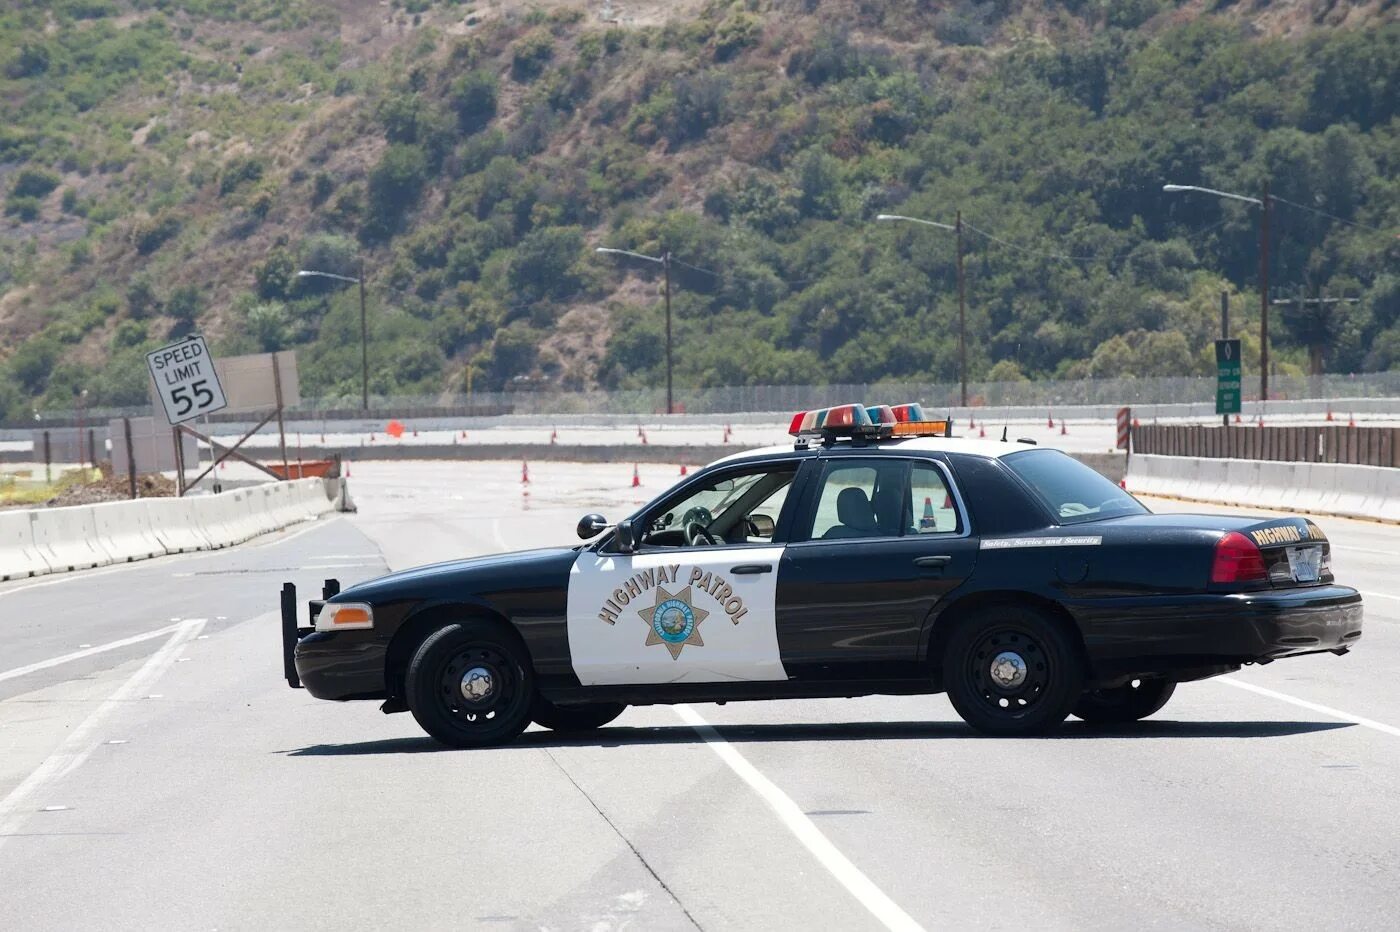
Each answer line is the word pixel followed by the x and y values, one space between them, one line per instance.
pixel 875 555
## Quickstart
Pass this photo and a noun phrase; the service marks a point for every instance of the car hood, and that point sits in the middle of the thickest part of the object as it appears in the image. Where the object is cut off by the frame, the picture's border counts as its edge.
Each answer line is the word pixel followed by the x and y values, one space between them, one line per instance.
pixel 476 574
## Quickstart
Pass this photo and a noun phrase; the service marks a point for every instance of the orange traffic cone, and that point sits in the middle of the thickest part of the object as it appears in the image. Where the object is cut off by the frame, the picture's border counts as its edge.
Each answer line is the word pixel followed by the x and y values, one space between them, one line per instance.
pixel 554 436
pixel 728 432
pixel 347 469
pixel 971 423
pixel 1238 419
pixel 1351 420
pixel 928 520
pixel 1260 422
pixel 415 432
pixel 683 469
pixel 982 431
pixel 643 435
pixel 636 477
pixel 1064 431
pixel 1123 484
pixel 1050 420
pixel 524 472
pixel 1329 414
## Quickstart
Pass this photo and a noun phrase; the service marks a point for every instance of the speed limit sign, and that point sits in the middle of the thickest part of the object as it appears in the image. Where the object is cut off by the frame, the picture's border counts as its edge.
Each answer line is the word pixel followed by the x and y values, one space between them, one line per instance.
pixel 185 380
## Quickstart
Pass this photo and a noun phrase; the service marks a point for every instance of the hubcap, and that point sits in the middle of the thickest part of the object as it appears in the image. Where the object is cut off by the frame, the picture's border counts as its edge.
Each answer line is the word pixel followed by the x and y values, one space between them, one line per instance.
pixel 477 685
pixel 1008 669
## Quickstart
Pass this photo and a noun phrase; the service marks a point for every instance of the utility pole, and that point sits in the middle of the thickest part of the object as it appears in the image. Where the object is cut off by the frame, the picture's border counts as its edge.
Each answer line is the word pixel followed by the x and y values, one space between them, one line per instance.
pixel 364 344
pixel 666 265
pixel 962 315
pixel 1264 212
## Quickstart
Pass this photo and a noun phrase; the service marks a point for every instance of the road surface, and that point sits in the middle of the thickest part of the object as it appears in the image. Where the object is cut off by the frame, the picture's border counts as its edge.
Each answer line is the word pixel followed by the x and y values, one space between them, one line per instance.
pixel 156 773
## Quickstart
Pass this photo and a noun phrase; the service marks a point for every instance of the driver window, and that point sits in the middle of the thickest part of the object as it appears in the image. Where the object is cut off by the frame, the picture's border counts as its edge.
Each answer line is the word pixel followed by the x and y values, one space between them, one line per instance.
pixel 737 508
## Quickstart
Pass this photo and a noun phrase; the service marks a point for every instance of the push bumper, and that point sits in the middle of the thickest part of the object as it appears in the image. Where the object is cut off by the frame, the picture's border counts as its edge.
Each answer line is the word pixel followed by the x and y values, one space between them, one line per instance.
pixel 1225 629
pixel 337 665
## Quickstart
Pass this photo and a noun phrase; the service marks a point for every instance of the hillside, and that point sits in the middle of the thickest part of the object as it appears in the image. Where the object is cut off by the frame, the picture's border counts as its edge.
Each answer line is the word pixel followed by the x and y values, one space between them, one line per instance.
pixel 168 165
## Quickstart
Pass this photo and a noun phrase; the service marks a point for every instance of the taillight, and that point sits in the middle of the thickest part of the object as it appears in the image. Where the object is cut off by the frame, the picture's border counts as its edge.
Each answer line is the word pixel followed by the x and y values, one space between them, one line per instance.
pixel 1237 559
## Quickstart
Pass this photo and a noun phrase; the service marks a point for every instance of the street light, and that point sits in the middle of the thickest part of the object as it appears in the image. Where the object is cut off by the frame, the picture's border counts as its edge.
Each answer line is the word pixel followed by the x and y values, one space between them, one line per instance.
pixel 663 260
pixel 962 290
pixel 1264 204
pixel 364 328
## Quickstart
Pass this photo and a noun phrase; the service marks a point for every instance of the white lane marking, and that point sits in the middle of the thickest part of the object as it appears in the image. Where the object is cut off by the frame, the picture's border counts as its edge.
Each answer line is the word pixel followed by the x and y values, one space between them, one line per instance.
pixel 1312 706
pixel 496 532
pixel 88 652
pixel 58 579
pixel 1377 595
pixel 884 909
pixel 78 746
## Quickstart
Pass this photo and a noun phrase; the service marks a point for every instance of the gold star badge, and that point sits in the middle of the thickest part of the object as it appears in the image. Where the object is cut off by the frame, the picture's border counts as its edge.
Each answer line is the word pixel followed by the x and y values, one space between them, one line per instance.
pixel 673 621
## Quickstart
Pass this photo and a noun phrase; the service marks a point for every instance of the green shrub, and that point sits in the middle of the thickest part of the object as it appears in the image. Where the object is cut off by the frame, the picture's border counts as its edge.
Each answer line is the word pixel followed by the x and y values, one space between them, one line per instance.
pixel 34 182
pixel 25 208
pixel 474 99
pixel 156 232
pixel 530 54
pixel 239 171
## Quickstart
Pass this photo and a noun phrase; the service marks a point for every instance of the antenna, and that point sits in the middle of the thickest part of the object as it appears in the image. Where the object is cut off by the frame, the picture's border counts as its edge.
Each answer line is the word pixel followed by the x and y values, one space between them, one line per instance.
pixel 1006 419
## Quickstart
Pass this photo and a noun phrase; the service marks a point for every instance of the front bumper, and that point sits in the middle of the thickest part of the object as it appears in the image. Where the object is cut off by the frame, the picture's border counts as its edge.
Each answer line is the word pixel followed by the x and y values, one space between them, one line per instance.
pixel 1162 634
pixel 337 665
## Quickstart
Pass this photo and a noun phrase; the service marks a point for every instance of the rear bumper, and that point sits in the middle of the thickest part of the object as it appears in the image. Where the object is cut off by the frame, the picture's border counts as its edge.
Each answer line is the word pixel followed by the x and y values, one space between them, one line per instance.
pixel 1161 634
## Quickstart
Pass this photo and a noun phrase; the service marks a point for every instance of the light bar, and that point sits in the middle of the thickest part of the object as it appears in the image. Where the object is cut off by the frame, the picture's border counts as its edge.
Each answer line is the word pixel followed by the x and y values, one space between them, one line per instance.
pixel 843 420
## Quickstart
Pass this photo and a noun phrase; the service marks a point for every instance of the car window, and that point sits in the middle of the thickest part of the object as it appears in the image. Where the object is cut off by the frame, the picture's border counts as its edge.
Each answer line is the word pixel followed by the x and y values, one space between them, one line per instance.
pixel 931 504
pixel 860 499
pixel 732 508
pixel 1074 492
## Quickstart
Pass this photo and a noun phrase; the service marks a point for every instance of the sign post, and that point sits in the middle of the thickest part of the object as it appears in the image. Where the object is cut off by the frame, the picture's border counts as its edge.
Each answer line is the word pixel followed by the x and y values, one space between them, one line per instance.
pixel 1227 375
pixel 185 380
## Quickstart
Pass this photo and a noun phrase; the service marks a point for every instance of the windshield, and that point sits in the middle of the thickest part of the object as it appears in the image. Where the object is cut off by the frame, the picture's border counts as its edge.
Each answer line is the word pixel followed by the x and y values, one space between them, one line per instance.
pixel 1074 492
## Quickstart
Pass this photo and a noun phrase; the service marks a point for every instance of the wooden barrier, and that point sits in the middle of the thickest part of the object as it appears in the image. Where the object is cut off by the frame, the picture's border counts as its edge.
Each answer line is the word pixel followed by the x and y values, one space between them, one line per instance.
pixel 1362 446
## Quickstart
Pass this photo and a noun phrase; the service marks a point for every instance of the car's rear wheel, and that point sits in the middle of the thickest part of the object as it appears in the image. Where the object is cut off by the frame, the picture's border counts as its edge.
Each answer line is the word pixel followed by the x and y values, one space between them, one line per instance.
pixel 1012 670
pixel 574 718
pixel 469 685
pixel 1130 702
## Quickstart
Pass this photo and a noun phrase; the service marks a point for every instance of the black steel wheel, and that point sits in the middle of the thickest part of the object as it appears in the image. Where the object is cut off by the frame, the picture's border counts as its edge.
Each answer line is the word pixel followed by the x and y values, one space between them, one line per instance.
pixel 1130 702
pixel 469 685
pixel 1012 670
pixel 574 718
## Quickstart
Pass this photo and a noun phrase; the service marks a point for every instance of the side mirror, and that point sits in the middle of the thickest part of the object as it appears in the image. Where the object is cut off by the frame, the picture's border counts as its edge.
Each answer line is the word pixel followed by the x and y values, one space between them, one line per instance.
pixel 762 526
pixel 626 536
pixel 591 526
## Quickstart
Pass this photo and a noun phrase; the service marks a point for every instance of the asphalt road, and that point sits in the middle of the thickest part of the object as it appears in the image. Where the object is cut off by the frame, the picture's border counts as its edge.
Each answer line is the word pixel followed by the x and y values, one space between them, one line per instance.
pixel 174 782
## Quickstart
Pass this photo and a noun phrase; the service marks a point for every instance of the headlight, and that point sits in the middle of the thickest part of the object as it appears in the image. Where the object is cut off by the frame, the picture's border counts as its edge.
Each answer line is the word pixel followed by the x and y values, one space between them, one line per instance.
pixel 344 616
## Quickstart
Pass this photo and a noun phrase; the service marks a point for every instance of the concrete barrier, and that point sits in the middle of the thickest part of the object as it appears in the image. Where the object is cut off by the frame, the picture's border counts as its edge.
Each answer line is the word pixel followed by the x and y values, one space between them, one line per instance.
pixel 67 538
pixel 174 522
pixel 19 557
pixel 125 533
pixel 1311 488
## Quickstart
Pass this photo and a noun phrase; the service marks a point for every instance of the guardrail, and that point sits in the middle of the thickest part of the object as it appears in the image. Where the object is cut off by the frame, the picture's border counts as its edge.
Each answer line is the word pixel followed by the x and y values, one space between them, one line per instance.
pixel 1363 446
pixel 37 541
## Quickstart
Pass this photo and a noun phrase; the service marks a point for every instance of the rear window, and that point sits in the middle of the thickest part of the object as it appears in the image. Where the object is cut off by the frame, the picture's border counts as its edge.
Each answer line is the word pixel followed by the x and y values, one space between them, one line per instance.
pixel 1073 492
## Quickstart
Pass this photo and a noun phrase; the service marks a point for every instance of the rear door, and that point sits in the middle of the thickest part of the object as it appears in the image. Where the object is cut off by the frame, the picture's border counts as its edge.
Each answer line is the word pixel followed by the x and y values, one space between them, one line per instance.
pixel 879 540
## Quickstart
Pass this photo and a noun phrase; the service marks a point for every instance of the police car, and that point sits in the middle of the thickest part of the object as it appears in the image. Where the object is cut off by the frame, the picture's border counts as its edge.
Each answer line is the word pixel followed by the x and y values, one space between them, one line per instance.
pixel 873 555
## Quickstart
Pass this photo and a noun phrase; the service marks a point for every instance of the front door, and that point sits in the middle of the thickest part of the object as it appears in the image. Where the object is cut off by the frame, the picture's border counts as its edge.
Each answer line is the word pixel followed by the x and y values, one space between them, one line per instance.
pixel 881 541
pixel 695 603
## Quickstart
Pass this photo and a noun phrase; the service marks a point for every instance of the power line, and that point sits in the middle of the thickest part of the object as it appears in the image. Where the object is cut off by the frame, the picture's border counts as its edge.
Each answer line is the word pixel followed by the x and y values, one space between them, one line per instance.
pixel 1323 213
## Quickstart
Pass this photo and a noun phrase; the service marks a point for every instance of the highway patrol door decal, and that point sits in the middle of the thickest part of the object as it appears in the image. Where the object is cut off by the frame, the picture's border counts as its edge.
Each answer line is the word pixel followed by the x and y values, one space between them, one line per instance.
pixel 680 617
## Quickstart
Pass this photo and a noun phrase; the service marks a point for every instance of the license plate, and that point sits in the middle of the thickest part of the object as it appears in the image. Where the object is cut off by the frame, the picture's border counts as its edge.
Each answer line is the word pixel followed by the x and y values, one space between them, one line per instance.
pixel 1305 563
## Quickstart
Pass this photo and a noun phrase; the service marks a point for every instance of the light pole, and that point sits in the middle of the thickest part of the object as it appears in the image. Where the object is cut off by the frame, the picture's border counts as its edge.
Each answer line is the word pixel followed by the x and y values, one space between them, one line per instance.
pixel 962 291
pixel 364 327
pixel 663 260
pixel 1265 205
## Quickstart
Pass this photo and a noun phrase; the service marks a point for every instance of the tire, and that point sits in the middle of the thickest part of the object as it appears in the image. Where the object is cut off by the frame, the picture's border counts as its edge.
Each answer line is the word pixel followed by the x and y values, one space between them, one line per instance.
pixel 1126 703
pixel 496 666
pixel 568 719
pixel 1029 692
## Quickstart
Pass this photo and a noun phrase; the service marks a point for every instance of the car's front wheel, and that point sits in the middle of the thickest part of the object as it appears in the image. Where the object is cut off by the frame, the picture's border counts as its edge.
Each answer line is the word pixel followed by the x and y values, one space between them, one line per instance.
pixel 469 685
pixel 1130 702
pixel 1012 670
pixel 574 718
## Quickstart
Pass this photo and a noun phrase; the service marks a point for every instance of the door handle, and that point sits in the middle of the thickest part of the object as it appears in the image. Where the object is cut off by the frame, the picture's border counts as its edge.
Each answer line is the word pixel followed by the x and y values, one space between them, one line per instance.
pixel 939 561
pixel 751 569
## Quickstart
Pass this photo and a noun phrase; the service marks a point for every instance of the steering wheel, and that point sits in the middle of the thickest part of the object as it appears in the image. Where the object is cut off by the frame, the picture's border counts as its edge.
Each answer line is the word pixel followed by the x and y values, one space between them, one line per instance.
pixel 697 522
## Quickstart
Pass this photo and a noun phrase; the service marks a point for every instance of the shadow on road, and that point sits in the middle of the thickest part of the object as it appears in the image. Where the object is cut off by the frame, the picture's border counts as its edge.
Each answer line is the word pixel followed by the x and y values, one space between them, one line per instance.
pixel 834 731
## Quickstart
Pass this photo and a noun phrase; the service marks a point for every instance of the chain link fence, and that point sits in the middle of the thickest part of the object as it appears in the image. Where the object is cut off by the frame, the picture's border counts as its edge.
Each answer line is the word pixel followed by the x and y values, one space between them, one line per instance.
pixel 742 399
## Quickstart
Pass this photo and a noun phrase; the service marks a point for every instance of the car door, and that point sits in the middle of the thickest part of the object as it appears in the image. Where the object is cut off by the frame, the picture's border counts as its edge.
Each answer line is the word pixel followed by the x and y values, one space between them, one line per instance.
pixel 681 609
pixel 880 540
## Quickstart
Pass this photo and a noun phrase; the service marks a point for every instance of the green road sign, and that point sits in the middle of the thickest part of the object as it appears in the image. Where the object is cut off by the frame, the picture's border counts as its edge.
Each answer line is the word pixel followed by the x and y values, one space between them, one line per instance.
pixel 1227 374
